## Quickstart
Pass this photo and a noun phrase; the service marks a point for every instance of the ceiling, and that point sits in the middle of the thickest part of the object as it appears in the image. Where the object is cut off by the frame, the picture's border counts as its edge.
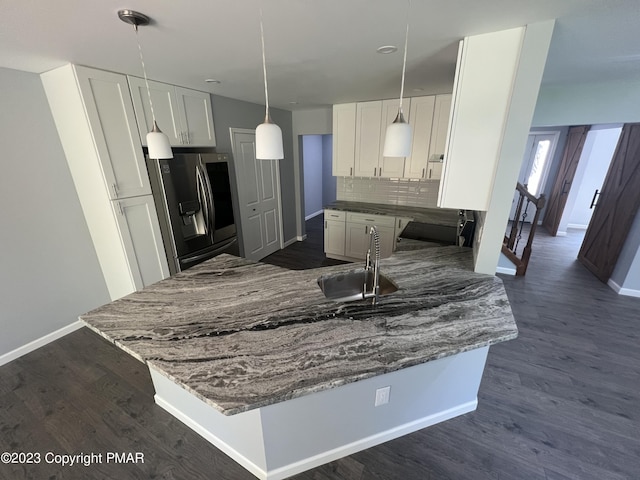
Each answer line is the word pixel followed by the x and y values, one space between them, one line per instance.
pixel 319 52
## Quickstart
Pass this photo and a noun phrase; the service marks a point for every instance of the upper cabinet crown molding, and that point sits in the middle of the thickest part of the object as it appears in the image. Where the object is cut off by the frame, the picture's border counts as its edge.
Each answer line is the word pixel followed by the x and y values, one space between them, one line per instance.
pixel 184 115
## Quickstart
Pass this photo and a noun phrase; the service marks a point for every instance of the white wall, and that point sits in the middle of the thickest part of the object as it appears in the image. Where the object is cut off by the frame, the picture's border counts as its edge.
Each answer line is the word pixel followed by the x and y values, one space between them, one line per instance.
pixel 597 153
pixel 50 272
pixel 306 122
pixel 490 232
pixel 312 164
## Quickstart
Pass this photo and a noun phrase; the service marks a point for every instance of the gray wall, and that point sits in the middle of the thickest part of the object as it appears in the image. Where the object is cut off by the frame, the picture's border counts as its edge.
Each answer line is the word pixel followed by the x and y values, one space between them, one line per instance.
pixel 50 272
pixel 230 113
pixel 317 121
pixel 312 164
pixel 328 180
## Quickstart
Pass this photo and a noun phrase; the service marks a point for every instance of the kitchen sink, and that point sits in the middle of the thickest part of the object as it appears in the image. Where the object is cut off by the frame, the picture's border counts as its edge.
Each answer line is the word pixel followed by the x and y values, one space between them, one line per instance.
pixel 353 285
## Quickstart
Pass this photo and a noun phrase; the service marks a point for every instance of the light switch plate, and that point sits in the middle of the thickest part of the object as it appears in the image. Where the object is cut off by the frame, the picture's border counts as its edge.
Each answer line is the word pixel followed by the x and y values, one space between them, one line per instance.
pixel 382 396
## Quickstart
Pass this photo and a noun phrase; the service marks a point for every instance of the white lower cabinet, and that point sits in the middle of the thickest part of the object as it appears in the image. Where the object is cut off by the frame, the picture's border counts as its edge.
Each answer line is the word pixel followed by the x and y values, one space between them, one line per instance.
pixel 138 225
pixel 334 232
pixel 346 234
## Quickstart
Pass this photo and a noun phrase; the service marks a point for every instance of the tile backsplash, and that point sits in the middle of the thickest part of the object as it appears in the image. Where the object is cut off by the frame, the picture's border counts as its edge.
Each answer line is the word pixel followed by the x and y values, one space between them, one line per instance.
pixel 389 191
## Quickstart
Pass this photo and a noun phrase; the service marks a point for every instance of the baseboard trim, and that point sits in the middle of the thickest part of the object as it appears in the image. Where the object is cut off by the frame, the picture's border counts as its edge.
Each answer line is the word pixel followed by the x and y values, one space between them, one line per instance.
pixel 302 238
pixel 629 292
pixel 506 270
pixel 39 342
pixel 315 214
pixel 577 226
pixel 291 241
pixel 561 234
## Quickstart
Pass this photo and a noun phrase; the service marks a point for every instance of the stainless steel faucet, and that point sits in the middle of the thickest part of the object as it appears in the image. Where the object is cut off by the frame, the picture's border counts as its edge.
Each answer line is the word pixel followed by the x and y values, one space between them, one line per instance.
pixel 375 290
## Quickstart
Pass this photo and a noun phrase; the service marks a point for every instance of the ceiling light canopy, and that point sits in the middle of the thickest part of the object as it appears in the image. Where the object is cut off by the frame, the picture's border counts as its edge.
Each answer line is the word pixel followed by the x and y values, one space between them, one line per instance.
pixel 268 134
pixel 387 49
pixel 157 142
pixel 397 142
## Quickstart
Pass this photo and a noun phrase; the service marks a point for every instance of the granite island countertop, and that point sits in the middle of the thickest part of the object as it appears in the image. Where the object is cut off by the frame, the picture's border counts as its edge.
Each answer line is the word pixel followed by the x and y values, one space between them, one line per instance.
pixel 434 216
pixel 241 335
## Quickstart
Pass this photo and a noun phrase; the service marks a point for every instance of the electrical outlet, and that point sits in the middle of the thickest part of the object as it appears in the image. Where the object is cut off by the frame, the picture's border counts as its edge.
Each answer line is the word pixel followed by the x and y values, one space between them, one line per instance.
pixel 382 396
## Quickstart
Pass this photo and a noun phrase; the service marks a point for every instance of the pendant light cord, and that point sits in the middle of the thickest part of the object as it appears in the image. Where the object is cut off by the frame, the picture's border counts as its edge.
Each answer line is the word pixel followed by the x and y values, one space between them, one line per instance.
pixel 264 71
pixel 404 61
pixel 144 71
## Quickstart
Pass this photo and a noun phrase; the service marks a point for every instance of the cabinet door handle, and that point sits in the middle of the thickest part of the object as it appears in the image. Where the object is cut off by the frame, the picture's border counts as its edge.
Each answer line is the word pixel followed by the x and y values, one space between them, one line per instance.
pixel 187 137
pixel 351 172
pixel 120 208
pixel 325 224
pixel 429 173
pixel 423 172
pixel 115 189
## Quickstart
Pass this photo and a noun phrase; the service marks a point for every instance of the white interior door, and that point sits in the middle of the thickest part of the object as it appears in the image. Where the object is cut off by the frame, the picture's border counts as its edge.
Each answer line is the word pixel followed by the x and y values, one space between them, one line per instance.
pixel 259 197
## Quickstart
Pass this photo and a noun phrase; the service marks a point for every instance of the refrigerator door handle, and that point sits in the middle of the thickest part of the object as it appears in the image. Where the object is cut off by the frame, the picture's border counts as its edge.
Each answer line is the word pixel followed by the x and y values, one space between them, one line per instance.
pixel 211 211
pixel 204 201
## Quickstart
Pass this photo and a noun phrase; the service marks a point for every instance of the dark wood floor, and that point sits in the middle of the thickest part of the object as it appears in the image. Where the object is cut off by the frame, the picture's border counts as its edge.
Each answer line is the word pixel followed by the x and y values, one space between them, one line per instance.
pixel 560 402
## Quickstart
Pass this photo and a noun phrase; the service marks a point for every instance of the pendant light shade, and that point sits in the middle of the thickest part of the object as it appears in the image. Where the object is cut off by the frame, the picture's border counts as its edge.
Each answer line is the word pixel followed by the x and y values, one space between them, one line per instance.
pixel 158 144
pixel 269 141
pixel 397 141
pixel 268 134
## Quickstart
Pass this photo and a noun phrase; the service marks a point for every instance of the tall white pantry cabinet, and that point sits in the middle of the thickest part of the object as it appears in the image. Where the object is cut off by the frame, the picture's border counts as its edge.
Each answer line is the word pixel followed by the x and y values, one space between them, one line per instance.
pixel 93 113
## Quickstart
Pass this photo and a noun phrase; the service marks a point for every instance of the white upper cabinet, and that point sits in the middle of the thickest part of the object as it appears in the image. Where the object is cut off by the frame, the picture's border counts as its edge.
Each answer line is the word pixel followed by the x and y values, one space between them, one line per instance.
pixel 107 103
pixel 196 118
pixel 344 139
pixel 368 120
pixel 165 107
pixel 391 167
pixel 421 121
pixel 359 131
pixel 439 130
pixel 483 86
pixel 441 113
pixel 184 115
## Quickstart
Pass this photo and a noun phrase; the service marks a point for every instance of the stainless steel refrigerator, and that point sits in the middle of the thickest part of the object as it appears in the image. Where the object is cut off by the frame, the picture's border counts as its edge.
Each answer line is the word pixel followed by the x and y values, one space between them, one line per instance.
pixel 192 193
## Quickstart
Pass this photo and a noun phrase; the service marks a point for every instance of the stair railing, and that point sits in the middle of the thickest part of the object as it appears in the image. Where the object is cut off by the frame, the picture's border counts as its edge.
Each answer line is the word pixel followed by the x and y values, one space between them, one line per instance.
pixel 511 242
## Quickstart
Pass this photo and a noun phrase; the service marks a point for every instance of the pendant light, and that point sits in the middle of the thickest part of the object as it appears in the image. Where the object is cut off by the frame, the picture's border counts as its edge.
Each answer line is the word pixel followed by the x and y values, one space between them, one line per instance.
pixel 397 141
pixel 268 134
pixel 157 142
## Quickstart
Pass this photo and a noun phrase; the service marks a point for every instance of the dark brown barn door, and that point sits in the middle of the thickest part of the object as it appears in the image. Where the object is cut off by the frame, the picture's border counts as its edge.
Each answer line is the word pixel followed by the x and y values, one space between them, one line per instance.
pixel 617 207
pixel 564 179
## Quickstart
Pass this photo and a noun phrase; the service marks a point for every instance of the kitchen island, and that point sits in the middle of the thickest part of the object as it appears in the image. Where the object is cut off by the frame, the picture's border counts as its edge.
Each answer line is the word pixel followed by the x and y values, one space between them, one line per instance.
pixel 255 359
